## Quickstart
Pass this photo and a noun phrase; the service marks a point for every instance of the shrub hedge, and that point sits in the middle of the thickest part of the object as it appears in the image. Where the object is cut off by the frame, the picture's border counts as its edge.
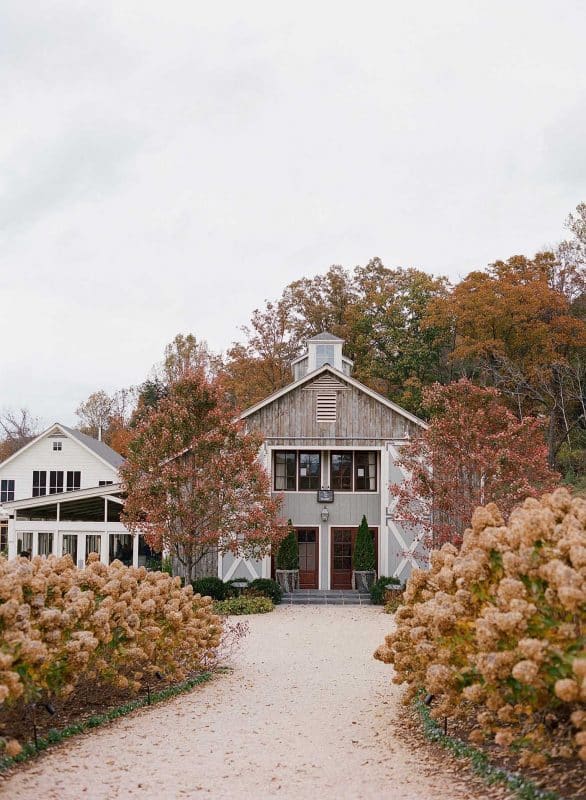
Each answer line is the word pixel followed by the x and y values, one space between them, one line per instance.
pixel 61 626
pixel 496 630
pixel 267 588
pixel 243 605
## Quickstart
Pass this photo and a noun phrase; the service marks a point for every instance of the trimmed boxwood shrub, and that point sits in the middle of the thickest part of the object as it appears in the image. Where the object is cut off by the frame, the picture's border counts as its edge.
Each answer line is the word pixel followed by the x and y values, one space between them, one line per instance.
pixel 364 557
pixel 244 605
pixel 266 587
pixel 379 588
pixel 210 587
pixel 288 552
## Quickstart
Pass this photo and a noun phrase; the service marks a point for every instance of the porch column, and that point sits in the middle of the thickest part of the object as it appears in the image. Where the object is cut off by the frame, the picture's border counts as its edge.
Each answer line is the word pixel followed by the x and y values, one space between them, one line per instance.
pixel 105 548
pixel 11 537
pixel 135 550
pixel 57 546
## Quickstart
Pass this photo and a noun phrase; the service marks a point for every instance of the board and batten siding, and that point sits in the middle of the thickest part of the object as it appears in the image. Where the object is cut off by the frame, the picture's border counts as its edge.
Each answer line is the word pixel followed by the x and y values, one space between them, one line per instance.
pixel 361 420
pixel 41 456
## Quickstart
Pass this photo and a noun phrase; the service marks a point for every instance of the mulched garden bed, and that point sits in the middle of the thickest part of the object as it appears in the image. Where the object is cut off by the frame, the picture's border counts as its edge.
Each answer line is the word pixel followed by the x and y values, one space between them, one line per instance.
pixel 87 702
pixel 566 778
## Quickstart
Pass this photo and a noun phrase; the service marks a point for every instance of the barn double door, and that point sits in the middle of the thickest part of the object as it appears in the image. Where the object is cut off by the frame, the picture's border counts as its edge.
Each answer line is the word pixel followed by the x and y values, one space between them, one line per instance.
pixel 342 549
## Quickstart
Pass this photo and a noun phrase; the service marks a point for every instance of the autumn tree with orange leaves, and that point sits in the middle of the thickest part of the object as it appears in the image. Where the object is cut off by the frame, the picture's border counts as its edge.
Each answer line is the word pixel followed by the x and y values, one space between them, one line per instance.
pixel 194 481
pixel 475 451
pixel 520 326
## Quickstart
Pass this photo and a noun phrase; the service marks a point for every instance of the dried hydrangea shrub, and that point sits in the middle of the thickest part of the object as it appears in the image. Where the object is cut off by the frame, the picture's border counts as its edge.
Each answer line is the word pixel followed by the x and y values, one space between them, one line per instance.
pixel 497 628
pixel 106 624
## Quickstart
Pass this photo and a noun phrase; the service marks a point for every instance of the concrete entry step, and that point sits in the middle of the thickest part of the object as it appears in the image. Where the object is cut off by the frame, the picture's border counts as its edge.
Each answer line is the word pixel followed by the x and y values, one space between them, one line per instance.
pixel 332 597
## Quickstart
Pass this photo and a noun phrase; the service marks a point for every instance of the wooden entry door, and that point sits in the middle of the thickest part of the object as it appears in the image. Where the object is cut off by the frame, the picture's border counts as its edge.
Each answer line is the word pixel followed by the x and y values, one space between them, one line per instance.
pixel 308 539
pixel 342 549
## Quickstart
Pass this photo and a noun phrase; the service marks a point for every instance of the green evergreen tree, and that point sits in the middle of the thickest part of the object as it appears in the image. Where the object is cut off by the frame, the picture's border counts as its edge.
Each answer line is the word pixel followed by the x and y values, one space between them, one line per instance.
pixel 364 556
pixel 288 552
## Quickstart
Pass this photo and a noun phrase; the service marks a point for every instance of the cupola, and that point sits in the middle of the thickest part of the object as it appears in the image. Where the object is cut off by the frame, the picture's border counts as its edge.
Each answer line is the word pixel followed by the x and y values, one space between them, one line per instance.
pixel 325 348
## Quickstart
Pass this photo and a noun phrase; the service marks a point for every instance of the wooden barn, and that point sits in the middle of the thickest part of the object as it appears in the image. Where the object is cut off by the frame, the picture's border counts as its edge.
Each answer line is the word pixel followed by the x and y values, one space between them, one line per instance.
pixel 331 446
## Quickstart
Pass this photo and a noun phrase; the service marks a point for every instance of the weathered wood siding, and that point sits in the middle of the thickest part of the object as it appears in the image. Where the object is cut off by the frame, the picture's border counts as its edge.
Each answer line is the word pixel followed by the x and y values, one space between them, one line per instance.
pixel 360 420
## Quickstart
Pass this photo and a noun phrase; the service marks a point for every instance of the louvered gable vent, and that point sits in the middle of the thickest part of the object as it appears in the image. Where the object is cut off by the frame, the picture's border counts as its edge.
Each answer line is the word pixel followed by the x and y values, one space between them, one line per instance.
pixel 326 407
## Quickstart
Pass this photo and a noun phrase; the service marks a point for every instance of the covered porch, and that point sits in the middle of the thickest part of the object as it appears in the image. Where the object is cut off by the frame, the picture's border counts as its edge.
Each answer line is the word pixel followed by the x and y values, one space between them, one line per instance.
pixel 76 523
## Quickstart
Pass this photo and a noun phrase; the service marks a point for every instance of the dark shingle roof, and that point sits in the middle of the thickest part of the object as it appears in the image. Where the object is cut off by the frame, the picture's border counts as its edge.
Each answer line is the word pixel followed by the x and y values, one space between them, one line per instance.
pixel 99 448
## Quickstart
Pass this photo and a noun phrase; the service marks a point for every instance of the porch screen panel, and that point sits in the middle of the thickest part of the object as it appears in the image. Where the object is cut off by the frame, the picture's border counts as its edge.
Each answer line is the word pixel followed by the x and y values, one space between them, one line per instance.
pixel 93 544
pixel 365 471
pixel 309 471
pixel 24 542
pixel 45 543
pixel 121 548
pixel 341 472
pixel 70 546
pixel 285 469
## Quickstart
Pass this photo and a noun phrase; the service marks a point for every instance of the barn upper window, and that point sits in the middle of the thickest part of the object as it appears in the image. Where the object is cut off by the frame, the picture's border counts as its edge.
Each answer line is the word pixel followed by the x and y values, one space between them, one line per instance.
pixel 297 471
pixel 324 354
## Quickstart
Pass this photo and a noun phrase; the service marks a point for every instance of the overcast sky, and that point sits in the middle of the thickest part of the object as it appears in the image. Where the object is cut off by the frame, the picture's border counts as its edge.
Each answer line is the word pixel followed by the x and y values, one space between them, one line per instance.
pixel 166 166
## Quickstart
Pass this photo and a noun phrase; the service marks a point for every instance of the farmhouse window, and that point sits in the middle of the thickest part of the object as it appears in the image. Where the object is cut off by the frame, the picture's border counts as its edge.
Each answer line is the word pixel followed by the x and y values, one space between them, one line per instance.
pixel 57 445
pixel 341 472
pixel 105 483
pixel 39 483
pixel 309 471
pixel 73 480
pixel 365 471
pixel 55 481
pixel 6 491
pixel 285 471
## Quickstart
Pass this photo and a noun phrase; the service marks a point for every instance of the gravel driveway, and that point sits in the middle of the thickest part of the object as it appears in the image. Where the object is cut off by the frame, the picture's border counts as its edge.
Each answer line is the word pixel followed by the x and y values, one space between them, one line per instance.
pixel 306 713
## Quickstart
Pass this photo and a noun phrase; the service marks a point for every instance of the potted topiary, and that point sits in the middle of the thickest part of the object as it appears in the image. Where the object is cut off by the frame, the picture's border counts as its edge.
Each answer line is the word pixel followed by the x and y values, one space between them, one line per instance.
pixel 288 562
pixel 363 559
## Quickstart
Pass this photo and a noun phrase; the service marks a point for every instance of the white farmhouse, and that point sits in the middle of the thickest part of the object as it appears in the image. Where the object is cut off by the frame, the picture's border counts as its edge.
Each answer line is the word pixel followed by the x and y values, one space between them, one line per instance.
pixel 61 493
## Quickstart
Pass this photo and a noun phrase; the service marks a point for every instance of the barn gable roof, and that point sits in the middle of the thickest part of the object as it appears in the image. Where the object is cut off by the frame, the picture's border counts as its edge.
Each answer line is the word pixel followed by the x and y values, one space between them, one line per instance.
pixel 346 379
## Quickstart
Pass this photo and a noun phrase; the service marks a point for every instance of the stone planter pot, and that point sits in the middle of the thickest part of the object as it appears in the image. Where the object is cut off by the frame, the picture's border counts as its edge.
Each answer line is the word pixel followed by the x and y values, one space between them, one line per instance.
pixel 363 580
pixel 288 580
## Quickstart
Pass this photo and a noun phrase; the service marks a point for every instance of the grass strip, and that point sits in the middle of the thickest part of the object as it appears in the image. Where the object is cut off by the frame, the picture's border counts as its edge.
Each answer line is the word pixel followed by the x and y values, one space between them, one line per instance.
pixel 524 788
pixel 54 736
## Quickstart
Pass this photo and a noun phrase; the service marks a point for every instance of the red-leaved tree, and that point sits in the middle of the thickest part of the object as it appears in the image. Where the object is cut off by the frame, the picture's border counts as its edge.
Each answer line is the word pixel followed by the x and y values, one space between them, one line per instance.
pixel 475 451
pixel 193 479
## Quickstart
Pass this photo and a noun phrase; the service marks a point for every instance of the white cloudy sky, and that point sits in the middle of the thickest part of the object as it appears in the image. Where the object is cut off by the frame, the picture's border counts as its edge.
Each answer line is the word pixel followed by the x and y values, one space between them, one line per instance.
pixel 166 166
